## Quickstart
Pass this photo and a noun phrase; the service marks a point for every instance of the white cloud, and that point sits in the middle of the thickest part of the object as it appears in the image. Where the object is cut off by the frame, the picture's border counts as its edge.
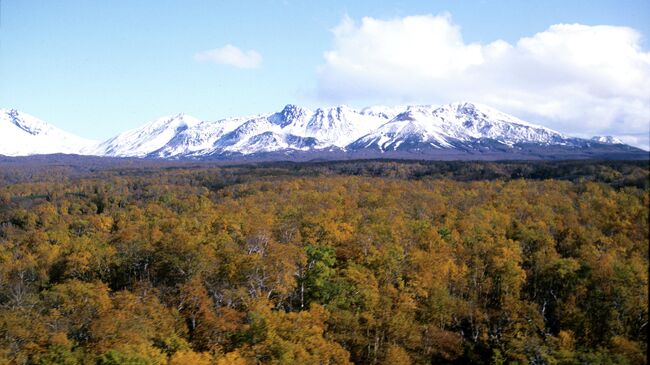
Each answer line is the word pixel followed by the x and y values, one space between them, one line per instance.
pixel 579 79
pixel 231 55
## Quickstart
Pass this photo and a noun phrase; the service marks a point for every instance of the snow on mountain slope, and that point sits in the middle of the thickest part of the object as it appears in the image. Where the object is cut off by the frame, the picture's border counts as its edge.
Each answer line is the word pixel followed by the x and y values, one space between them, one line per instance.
pixel 411 126
pixel 337 126
pixel 293 128
pixel 384 112
pixel 199 139
pixel 466 121
pixel 270 142
pixel 152 136
pixel 22 134
pixel 459 126
pixel 449 125
pixel 606 140
pixel 238 139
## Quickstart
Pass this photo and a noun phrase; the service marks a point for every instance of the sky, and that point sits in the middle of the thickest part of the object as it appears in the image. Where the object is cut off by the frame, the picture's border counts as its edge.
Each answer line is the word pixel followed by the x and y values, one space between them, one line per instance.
pixel 98 68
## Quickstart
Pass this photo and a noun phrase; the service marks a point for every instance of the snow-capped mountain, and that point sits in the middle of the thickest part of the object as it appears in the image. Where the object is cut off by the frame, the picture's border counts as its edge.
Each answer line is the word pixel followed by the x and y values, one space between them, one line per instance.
pixel 142 141
pixel 293 128
pixel 341 128
pixel 459 130
pixel 337 127
pixel 453 125
pixel 606 139
pixel 22 134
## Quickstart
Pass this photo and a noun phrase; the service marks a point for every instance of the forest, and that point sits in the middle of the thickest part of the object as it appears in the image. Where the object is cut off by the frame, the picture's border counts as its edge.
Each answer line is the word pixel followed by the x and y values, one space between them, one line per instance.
pixel 350 262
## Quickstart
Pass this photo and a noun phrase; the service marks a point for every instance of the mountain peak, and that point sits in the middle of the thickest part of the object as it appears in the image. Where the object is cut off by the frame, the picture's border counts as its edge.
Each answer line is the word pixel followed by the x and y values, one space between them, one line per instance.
pixel 26 122
pixel 471 111
pixel 292 108
pixel 172 122
pixel 606 139
pixel 148 138
pixel 23 134
pixel 289 114
pixel 382 111
pixel 456 129
pixel 11 112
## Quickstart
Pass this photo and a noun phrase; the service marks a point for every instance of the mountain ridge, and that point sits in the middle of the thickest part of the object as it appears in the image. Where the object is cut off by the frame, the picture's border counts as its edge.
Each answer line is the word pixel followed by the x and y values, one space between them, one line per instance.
pixel 23 134
pixel 429 131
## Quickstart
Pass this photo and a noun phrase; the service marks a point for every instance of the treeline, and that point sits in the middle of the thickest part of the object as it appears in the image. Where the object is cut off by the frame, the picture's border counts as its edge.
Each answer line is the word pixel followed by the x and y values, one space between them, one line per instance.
pixel 306 264
pixel 60 168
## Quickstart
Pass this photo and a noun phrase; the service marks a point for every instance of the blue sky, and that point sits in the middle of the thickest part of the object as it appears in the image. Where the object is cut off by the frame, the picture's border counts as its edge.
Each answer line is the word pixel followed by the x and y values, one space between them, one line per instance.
pixel 97 68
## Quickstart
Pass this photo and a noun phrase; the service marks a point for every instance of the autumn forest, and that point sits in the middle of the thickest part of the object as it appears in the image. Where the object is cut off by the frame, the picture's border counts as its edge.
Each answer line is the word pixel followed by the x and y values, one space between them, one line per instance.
pixel 354 262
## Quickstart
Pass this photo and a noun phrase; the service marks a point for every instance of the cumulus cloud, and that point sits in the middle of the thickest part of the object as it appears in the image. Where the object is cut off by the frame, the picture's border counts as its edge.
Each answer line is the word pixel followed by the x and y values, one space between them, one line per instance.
pixel 579 79
pixel 231 55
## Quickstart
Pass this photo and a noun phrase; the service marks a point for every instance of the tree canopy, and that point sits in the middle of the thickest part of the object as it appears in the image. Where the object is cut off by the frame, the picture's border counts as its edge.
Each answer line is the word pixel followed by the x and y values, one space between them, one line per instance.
pixel 365 263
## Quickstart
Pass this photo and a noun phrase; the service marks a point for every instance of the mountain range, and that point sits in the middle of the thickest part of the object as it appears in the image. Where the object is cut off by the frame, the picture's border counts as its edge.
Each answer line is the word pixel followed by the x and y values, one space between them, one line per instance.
pixel 453 131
